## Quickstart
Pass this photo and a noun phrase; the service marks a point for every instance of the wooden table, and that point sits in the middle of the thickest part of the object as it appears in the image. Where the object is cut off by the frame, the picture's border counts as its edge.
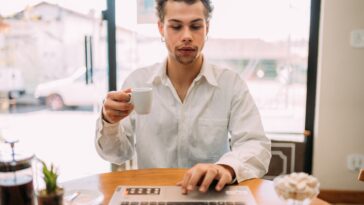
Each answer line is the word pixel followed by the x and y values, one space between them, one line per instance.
pixel 262 190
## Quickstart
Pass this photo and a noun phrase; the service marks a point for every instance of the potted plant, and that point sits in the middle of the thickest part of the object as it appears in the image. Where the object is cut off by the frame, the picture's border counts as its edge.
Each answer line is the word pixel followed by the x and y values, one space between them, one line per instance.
pixel 52 194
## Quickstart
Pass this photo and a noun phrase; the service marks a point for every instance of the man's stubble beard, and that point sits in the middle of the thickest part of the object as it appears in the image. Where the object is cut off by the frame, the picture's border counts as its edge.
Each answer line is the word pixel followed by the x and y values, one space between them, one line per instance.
pixel 187 60
pixel 184 60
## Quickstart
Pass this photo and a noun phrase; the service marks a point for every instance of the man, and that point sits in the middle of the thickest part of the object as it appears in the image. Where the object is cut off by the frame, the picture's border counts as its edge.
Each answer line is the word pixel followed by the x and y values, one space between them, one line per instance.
pixel 195 106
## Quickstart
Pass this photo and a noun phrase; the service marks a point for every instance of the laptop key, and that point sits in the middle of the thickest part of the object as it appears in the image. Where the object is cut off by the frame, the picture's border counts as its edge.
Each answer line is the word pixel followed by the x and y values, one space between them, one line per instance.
pixel 239 203
pixel 124 203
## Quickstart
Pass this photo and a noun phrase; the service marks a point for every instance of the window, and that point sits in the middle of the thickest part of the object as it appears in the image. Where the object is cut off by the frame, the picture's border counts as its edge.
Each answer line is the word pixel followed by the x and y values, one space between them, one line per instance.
pixel 267 45
pixel 44 44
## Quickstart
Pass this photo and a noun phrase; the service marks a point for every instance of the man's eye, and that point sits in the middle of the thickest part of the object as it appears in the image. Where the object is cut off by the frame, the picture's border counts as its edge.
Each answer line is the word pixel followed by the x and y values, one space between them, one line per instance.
pixel 196 27
pixel 176 27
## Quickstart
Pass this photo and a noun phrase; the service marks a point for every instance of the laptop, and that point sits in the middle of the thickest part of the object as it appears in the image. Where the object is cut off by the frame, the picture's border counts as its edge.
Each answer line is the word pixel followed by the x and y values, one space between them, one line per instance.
pixel 171 195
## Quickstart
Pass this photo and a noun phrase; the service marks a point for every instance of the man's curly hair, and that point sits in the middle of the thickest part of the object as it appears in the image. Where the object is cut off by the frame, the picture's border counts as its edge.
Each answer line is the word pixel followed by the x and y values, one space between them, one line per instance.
pixel 160 4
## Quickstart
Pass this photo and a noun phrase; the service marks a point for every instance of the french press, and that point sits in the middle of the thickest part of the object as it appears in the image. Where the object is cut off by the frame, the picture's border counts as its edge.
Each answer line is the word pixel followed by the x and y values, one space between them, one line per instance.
pixel 16 180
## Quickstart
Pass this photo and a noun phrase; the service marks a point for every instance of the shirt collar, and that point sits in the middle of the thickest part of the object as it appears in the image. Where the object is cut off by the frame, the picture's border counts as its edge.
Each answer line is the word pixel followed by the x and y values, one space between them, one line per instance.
pixel 208 73
pixel 160 74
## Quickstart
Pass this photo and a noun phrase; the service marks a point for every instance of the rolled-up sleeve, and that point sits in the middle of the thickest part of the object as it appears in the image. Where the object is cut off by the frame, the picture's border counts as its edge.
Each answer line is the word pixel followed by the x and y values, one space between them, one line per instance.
pixel 250 148
pixel 114 142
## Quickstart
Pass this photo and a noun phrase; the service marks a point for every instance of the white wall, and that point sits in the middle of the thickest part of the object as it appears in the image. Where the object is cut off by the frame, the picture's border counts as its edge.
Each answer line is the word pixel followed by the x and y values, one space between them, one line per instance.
pixel 340 103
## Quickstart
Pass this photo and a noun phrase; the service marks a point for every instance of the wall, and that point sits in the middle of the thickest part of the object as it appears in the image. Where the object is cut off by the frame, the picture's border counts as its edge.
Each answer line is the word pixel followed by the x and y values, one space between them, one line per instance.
pixel 340 96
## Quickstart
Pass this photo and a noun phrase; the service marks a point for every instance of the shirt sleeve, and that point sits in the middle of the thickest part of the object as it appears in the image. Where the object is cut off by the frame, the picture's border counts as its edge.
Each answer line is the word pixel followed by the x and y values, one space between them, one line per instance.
pixel 250 148
pixel 115 142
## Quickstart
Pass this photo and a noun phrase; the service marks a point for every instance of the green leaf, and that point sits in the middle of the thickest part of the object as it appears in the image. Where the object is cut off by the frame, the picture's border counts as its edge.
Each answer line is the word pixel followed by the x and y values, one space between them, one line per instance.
pixel 50 178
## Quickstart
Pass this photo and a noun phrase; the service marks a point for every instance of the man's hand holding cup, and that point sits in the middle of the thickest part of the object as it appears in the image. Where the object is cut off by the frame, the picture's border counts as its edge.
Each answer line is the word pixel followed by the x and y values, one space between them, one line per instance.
pixel 119 104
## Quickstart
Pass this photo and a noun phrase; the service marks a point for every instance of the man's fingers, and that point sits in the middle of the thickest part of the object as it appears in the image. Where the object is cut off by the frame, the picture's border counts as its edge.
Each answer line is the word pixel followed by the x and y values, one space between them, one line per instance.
pixel 225 179
pixel 114 116
pixel 128 90
pixel 179 183
pixel 209 177
pixel 197 175
pixel 185 181
pixel 118 113
pixel 116 105
pixel 120 96
pixel 206 174
pixel 114 111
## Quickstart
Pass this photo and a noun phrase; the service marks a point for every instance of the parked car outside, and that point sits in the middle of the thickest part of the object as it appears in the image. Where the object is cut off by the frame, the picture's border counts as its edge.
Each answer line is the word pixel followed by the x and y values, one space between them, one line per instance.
pixel 73 90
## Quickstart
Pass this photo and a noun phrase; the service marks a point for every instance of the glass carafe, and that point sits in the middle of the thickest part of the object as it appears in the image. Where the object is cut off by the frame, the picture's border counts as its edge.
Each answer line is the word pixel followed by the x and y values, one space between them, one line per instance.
pixel 16 181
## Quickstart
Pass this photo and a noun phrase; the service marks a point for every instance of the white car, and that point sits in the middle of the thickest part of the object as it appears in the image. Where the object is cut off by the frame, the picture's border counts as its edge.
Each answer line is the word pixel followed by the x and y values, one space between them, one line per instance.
pixel 73 90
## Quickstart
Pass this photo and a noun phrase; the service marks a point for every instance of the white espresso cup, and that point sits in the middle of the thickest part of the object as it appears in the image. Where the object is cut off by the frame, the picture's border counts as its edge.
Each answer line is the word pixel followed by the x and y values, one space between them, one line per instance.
pixel 141 98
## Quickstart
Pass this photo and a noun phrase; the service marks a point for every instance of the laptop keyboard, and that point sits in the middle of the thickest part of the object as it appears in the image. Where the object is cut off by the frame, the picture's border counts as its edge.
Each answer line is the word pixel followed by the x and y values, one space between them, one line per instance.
pixel 181 203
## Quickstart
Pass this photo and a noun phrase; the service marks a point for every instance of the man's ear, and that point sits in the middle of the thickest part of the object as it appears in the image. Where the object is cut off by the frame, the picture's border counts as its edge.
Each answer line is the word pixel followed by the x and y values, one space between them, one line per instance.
pixel 160 28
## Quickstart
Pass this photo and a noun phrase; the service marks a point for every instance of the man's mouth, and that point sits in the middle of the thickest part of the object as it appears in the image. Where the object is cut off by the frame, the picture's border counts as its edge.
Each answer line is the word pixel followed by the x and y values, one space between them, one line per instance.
pixel 187 50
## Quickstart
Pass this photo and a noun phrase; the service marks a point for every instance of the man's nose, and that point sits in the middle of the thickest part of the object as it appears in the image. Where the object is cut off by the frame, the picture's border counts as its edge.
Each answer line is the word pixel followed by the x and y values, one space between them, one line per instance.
pixel 186 35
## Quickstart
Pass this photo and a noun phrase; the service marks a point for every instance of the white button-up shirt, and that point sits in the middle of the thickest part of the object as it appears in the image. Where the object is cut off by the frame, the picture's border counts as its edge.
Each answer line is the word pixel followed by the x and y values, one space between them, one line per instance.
pixel 182 134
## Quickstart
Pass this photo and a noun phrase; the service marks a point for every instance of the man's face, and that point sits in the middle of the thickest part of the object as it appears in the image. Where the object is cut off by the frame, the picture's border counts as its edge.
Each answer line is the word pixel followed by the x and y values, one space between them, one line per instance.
pixel 184 29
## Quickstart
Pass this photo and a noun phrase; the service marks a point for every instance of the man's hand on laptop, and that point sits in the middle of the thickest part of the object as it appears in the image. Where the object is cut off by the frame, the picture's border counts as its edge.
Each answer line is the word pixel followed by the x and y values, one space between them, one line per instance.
pixel 204 175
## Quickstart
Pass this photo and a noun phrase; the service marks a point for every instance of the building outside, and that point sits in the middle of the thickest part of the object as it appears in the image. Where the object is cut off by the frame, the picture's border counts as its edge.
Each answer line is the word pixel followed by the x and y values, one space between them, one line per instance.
pixel 46 42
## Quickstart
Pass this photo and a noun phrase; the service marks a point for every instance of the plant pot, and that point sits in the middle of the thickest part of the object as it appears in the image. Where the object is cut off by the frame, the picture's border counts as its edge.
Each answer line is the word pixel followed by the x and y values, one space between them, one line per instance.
pixel 56 198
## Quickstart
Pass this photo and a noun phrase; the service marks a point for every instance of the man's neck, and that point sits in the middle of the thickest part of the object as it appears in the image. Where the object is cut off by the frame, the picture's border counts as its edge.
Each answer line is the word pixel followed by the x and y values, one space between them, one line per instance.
pixel 183 75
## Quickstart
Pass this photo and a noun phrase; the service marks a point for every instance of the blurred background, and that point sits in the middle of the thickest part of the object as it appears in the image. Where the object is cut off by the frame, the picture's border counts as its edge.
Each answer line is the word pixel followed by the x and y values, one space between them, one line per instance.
pixel 52 97
pixel 54 72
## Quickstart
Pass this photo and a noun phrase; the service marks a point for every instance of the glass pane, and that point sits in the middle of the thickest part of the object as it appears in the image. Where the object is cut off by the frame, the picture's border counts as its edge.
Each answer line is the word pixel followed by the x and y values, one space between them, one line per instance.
pixel 268 46
pixel 265 41
pixel 50 102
